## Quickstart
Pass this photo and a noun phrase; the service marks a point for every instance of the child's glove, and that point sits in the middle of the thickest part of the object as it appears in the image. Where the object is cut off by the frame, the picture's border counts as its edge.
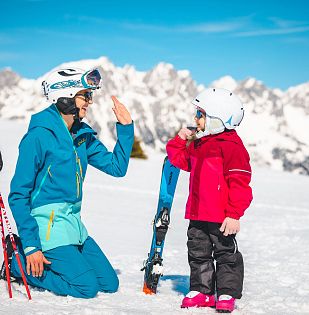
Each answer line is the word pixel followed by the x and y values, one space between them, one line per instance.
pixel 230 226
pixel 184 133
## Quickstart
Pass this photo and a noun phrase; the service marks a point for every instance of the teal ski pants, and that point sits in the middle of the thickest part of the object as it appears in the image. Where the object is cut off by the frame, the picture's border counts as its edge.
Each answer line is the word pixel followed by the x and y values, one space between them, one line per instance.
pixel 80 271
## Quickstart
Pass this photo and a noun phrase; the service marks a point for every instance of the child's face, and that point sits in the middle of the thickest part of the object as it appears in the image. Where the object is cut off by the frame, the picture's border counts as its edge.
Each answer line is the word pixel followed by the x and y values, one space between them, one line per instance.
pixel 200 119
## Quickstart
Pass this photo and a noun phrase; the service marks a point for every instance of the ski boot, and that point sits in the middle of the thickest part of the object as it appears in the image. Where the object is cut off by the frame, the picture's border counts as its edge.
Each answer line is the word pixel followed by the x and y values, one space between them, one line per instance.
pixel 225 304
pixel 197 299
pixel 10 251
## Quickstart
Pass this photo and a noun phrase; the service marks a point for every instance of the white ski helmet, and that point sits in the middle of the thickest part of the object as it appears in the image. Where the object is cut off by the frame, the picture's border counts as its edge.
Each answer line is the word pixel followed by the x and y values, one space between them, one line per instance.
pixel 223 110
pixel 67 82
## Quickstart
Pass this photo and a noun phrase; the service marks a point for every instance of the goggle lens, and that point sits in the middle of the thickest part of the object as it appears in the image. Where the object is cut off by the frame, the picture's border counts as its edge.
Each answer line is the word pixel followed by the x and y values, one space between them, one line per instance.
pixel 199 114
pixel 93 78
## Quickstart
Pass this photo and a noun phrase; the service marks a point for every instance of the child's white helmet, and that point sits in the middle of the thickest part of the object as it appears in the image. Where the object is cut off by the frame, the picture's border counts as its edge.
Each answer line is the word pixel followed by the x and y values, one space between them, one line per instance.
pixel 67 82
pixel 223 110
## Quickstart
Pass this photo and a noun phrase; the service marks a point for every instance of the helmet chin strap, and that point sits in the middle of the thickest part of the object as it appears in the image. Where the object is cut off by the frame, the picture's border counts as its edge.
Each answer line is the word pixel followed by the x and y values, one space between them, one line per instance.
pixel 76 122
pixel 202 133
pixel 76 115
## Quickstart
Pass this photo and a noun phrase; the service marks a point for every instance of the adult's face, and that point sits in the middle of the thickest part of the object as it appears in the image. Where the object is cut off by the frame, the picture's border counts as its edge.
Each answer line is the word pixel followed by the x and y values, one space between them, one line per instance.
pixel 83 99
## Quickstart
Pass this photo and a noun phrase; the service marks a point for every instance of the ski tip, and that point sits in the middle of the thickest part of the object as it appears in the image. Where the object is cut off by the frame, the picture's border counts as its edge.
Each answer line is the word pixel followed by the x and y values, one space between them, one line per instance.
pixel 147 290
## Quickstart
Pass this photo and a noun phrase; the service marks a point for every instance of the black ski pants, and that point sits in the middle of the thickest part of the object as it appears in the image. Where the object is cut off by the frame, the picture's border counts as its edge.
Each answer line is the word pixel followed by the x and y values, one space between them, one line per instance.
pixel 205 244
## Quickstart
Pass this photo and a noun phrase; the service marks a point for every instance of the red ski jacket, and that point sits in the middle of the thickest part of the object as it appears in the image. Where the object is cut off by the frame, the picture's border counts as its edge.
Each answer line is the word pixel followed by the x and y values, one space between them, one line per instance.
pixel 220 175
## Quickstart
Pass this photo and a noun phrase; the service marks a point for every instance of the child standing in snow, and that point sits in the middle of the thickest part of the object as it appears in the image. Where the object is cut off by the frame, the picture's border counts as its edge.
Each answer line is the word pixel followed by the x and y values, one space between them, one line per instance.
pixel 219 193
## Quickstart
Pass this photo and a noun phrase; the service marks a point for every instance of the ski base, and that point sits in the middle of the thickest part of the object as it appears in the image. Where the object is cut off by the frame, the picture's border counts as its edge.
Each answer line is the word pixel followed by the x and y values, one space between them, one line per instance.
pixel 153 265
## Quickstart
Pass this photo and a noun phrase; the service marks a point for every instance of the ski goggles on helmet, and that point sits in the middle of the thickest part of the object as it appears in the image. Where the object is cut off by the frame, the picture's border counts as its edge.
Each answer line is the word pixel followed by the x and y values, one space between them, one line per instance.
pixel 91 79
pixel 87 95
pixel 199 113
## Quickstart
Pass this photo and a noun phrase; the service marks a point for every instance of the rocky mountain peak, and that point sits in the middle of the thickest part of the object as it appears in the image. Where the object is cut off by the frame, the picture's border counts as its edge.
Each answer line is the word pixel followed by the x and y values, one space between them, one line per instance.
pixel 8 78
pixel 160 103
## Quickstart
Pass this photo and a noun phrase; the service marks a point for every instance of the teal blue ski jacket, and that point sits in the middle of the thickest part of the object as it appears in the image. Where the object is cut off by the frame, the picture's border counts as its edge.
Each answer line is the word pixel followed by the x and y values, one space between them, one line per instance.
pixel 46 190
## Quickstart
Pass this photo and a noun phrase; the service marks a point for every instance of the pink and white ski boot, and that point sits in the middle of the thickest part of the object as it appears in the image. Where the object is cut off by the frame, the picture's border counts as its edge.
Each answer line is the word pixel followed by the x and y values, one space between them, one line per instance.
pixel 225 304
pixel 197 299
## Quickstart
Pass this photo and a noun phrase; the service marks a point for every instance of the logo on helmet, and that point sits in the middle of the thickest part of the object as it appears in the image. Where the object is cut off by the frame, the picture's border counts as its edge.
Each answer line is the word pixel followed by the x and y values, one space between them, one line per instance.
pixel 66 84
pixel 229 121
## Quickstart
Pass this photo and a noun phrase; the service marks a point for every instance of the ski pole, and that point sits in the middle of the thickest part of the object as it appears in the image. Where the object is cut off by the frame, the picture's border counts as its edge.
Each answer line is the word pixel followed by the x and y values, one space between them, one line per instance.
pixel 5 255
pixel 3 211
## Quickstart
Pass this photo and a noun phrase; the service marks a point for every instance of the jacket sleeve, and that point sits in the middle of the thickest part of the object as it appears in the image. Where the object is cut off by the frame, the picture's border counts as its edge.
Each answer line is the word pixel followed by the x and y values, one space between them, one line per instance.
pixel 29 161
pixel 178 154
pixel 113 163
pixel 237 173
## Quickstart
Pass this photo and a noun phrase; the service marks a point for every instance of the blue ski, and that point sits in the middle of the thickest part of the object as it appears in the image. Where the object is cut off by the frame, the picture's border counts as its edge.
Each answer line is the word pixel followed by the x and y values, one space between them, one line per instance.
pixel 153 265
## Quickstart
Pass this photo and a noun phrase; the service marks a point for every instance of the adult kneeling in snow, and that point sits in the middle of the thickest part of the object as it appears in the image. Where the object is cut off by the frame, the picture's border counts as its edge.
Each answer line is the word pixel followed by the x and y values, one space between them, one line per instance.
pixel 46 190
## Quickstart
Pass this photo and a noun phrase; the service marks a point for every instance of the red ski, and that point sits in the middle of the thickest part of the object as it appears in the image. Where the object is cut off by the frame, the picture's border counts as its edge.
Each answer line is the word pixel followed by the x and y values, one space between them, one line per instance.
pixel 4 218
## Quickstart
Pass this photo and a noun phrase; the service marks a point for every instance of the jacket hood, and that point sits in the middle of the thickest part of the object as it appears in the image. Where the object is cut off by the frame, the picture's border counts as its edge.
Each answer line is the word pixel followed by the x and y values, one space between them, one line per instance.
pixel 231 136
pixel 51 119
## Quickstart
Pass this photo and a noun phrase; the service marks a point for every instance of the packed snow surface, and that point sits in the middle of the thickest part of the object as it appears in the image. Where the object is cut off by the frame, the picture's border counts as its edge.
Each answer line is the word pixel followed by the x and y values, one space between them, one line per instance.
pixel 118 213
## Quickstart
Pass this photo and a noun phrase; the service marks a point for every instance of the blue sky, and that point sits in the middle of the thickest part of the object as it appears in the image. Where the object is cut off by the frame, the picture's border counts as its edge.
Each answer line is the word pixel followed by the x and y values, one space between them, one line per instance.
pixel 268 40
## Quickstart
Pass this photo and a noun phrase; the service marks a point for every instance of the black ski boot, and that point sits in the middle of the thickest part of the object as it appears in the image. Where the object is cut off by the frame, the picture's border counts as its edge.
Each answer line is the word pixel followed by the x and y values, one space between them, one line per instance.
pixel 10 251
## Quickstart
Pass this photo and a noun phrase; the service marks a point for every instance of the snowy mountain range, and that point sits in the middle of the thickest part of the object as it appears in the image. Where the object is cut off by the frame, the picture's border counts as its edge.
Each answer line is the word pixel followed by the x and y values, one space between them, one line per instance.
pixel 274 128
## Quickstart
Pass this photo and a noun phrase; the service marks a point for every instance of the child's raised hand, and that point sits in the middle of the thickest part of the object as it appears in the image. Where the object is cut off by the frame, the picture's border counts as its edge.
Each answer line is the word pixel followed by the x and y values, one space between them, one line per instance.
pixel 184 133
pixel 230 226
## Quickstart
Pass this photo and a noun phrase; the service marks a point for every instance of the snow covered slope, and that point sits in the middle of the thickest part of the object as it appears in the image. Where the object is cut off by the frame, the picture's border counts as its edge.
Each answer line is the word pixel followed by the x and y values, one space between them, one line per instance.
pixel 118 212
pixel 274 127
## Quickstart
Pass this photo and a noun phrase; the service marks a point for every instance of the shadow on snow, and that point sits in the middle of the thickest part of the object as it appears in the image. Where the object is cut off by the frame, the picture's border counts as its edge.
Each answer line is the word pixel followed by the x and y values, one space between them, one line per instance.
pixel 180 283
